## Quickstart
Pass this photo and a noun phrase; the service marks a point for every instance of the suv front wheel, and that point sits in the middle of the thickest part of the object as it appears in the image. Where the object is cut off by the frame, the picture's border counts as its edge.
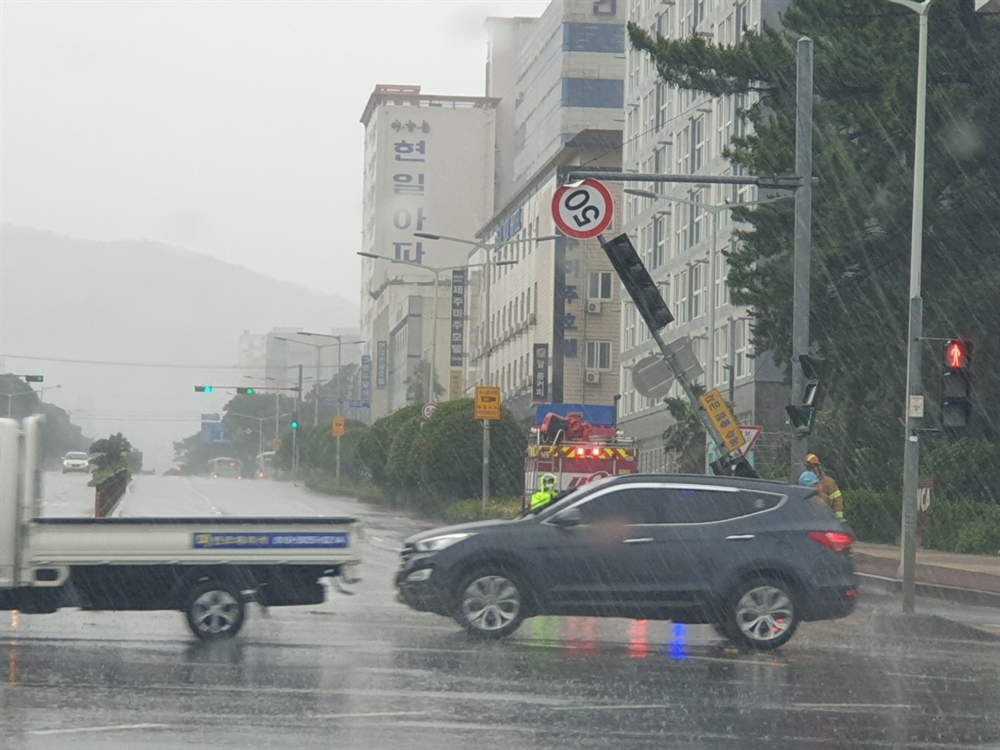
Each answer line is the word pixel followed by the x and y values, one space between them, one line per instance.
pixel 490 603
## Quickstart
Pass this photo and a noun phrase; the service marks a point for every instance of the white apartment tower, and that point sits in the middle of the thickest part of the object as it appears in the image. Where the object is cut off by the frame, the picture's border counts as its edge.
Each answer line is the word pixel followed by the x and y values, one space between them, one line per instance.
pixel 668 131
pixel 429 167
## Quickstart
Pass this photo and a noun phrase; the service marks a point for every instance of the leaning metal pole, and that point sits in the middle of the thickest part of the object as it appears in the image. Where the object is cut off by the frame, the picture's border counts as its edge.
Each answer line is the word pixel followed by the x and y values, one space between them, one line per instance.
pixel 803 240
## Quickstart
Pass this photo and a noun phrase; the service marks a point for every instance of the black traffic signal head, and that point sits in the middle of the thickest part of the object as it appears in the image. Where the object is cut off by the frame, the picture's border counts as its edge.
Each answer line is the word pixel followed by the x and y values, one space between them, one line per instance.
pixel 957 355
pixel 203 388
pixel 813 367
pixel 639 284
pixel 245 391
pixel 801 416
pixel 34 378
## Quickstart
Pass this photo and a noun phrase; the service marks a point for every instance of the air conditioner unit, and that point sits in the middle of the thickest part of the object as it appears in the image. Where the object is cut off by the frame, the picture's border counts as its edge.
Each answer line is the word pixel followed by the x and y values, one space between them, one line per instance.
pixel 594 308
pixel 593 378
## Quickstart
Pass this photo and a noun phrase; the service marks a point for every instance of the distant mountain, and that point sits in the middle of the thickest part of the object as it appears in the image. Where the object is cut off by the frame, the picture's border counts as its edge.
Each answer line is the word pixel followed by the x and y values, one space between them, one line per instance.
pixel 138 302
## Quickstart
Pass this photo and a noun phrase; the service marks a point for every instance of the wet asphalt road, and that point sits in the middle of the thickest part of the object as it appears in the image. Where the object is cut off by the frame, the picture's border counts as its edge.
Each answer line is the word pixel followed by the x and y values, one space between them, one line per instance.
pixel 362 671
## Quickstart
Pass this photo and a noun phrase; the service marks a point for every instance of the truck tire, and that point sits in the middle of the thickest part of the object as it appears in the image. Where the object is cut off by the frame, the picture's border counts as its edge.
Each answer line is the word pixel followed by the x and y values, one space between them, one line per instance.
pixel 490 603
pixel 215 610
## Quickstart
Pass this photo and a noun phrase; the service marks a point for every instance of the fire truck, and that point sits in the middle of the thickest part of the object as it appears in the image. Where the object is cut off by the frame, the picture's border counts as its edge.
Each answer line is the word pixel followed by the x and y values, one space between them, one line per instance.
pixel 577 443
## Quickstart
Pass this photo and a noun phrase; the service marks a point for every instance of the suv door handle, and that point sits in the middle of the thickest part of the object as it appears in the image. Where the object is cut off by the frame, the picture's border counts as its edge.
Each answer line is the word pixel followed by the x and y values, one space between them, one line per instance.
pixel 740 537
pixel 639 540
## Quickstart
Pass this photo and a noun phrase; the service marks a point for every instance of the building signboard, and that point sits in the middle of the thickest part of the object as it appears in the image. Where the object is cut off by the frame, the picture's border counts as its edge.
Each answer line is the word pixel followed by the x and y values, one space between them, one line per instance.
pixel 457 338
pixel 540 373
pixel 381 364
pixel 366 377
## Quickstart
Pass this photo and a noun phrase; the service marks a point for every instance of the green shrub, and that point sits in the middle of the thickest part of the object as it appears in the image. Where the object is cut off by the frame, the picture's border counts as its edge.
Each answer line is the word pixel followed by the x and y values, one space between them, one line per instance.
pixel 972 528
pixel 874 516
pixel 963 470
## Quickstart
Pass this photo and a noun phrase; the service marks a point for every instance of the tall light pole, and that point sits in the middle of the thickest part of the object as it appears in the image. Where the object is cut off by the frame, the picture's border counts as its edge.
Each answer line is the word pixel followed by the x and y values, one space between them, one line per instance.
pixel 914 388
pixel 490 249
pixel 340 381
pixel 319 354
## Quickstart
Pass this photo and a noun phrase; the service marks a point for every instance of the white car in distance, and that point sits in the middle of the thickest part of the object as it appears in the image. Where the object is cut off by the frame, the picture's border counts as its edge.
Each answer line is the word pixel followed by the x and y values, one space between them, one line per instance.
pixel 76 461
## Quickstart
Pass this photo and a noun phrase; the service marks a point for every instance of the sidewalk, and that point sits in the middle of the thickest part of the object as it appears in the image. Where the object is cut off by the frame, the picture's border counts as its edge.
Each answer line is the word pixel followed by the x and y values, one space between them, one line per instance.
pixel 971 579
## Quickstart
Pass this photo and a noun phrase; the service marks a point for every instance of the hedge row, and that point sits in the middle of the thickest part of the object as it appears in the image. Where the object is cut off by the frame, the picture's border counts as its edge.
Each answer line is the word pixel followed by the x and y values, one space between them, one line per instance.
pixel 426 464
pixel 952 525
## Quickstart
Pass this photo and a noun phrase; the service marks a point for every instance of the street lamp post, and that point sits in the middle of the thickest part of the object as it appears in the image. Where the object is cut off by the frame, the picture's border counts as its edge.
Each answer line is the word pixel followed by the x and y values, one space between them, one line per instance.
pixel 319 362
pixel 490 248
pixel 340 382
pixel 914 388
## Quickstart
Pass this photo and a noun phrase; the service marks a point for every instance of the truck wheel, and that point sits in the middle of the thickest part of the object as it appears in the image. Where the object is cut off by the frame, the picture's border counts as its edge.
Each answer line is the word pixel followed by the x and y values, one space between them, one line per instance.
pixel 761 614
pixel 215 610
pixel 490 604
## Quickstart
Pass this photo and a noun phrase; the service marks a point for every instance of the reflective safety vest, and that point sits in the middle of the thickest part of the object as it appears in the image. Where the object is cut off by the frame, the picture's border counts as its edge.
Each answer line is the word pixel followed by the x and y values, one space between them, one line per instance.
pixel 540 499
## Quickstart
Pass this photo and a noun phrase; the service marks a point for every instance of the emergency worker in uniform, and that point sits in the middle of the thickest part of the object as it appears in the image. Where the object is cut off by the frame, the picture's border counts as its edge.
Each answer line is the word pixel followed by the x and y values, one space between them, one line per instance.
pixel 827 484
pixel 809 479
pixel 546 493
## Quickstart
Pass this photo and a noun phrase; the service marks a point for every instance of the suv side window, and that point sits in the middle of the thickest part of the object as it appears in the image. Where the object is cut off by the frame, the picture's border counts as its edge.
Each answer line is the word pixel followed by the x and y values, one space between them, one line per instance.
pixel 682 505
pixel 755 502
pixel 628 505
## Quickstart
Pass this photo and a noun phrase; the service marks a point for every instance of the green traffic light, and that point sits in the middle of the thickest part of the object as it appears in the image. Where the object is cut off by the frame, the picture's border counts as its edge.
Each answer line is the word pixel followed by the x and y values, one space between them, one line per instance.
pixel 249 391
pixel 208 389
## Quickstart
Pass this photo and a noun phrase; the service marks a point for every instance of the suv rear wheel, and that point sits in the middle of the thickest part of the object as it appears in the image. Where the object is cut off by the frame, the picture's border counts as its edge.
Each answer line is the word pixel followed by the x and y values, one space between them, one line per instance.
pixel 761 614
pixel 490 603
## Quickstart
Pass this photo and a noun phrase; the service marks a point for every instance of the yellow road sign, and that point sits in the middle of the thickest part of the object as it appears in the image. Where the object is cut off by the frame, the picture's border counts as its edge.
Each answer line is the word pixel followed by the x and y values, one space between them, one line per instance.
pixel 723 419
pixel 338 426
pixel 487 402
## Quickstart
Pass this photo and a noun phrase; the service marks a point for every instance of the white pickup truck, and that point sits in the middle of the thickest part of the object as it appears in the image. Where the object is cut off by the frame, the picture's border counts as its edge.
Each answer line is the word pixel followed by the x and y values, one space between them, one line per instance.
pixel 208 568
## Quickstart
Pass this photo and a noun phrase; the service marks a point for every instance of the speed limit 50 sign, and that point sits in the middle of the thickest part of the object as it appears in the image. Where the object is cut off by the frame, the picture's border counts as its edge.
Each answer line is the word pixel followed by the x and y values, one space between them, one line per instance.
pixel 583 209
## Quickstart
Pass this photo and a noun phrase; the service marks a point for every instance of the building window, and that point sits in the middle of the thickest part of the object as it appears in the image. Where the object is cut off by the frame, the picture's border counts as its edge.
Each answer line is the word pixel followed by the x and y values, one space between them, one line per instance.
pixel 699 142
pixel 743 353
pixel 598 355
pixel 721 355
pixel 604 93
pixel 600 286
pixel 661 232
pixel 697 288
pixel 680 285
pixel 721 294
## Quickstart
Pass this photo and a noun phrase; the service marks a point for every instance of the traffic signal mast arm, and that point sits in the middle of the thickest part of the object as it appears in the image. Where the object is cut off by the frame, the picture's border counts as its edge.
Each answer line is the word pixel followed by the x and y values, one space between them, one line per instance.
pixel 240 389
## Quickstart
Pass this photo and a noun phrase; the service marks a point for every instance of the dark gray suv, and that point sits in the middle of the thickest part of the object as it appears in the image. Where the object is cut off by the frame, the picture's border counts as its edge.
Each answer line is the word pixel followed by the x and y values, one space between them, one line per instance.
pixel 751 557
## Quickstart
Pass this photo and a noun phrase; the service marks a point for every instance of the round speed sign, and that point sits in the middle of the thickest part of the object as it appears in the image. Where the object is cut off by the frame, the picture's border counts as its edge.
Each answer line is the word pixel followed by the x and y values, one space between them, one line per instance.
pixel 583 209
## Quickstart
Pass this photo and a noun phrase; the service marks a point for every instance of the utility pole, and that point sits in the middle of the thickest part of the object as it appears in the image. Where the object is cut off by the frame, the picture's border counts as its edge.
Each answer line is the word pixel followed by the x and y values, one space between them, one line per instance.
pixel 914 387
pixel 803 240
pixel 295 444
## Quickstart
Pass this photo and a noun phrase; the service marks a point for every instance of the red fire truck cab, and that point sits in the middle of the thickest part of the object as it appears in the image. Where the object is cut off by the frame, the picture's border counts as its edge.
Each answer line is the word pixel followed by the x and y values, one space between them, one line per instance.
pixel 577 443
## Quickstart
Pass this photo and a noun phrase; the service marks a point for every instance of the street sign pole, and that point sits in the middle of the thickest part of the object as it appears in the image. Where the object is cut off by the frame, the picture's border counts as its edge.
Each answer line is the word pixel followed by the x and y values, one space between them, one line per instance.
pixel 487 409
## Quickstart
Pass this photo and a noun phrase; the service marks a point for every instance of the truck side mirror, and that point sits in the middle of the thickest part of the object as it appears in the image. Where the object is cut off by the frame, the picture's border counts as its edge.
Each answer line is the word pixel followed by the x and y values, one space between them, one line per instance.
pixel 566 518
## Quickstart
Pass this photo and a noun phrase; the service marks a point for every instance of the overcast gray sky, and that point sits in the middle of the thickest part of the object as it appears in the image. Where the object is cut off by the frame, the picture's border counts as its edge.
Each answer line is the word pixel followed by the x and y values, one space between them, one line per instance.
pixel 230 128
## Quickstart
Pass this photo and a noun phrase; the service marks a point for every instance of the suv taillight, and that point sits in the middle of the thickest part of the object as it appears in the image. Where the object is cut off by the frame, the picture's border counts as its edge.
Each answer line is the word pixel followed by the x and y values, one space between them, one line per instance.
pixel 835 540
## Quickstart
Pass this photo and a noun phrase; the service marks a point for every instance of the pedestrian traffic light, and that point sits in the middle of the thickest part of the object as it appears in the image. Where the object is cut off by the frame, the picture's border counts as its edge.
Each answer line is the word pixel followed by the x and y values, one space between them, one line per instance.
pixel 295 421
pixel 203 388
pixel 815 370
pixel 245 391
pixel 956 384
pixel 34 378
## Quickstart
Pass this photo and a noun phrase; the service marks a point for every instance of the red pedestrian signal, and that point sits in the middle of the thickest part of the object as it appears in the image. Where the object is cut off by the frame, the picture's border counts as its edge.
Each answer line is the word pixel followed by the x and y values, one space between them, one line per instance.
pixel 957 354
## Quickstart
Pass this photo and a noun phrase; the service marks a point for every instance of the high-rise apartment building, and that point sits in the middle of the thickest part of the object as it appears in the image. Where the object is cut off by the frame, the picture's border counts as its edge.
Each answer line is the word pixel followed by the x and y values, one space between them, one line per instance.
pixel 429 167
pixel 551 330
pixel 682 231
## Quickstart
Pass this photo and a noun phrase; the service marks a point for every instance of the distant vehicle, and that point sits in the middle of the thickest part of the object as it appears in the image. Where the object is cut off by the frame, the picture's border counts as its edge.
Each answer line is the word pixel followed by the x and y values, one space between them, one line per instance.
pixel 750 557
pixel 225 467
pixel 76 461
pixel 265 463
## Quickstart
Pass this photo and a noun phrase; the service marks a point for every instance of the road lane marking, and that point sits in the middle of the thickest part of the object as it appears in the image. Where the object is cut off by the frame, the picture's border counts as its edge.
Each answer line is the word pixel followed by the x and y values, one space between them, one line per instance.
pixel 374 714
pixel 839 706
pixel 930 677
pixel 113 728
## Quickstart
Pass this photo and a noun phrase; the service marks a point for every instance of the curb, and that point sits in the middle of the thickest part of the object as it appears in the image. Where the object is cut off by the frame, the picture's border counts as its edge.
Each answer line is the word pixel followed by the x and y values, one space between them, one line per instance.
pixel 972 597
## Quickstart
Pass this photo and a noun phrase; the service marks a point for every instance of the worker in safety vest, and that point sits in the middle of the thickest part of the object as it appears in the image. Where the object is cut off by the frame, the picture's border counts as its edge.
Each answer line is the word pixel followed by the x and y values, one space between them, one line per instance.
pixel 827 484
pixel 546 494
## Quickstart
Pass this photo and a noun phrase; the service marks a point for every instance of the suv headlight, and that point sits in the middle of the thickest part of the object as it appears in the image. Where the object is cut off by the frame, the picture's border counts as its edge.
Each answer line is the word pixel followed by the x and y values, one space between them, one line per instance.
pixel 437 543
